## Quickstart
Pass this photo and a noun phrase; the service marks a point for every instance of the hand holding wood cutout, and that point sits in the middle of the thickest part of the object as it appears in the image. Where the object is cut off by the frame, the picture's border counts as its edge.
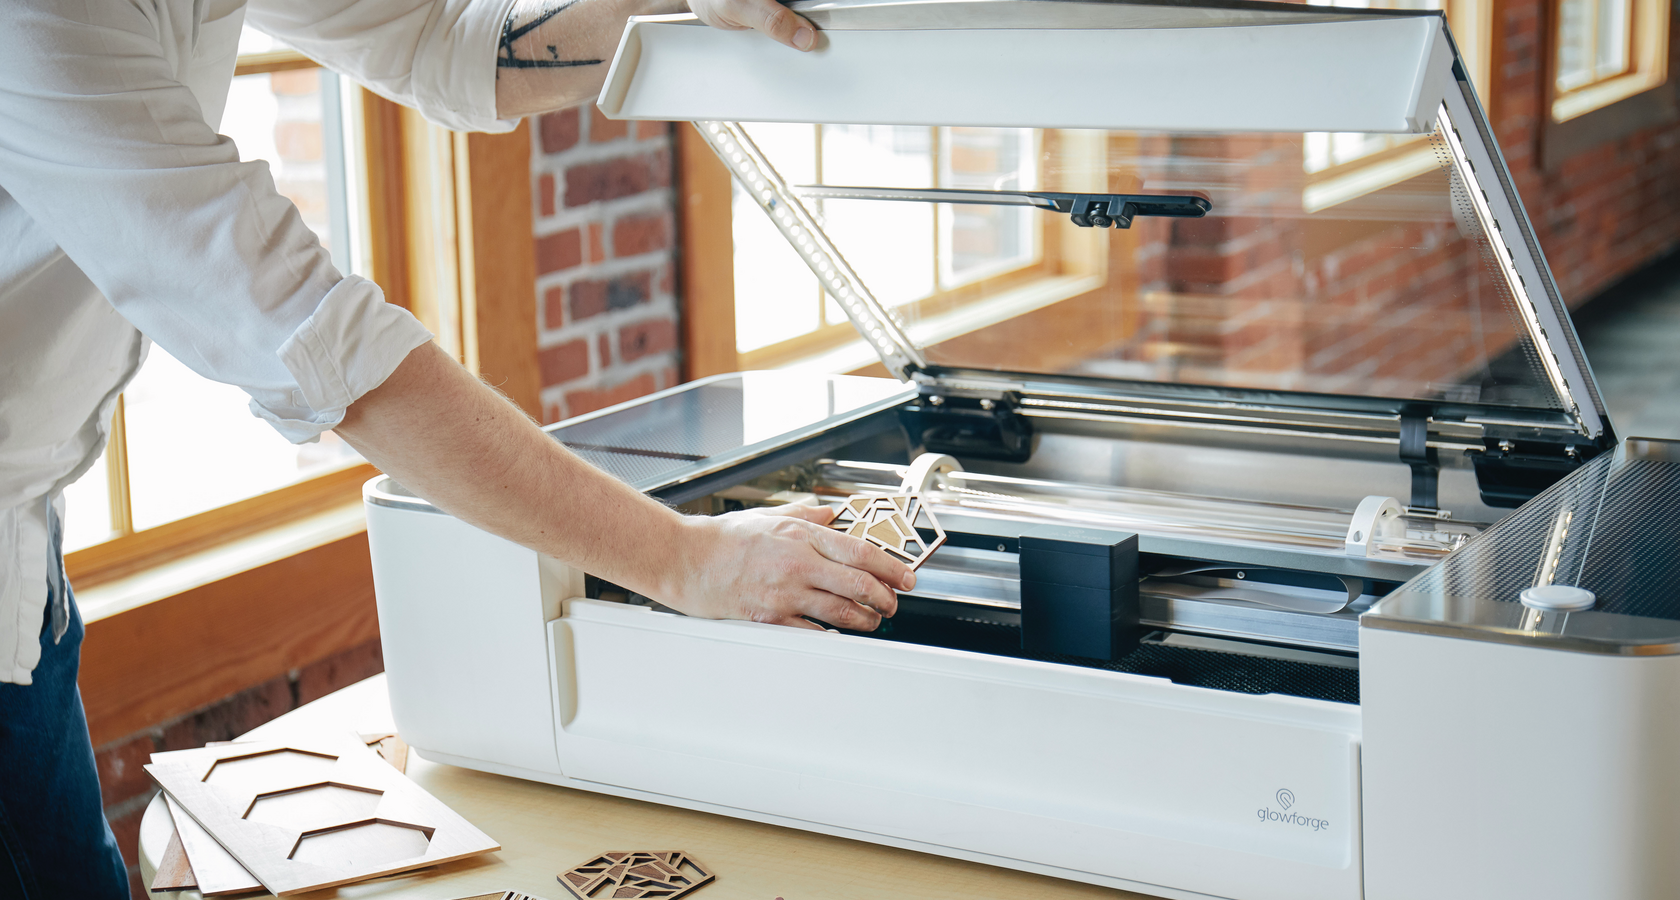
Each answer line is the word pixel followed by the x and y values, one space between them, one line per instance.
pixel 889 521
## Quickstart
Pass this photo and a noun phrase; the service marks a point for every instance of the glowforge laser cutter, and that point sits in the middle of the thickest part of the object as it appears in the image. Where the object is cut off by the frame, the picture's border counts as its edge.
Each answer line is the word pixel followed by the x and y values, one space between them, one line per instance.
pixel 1289 552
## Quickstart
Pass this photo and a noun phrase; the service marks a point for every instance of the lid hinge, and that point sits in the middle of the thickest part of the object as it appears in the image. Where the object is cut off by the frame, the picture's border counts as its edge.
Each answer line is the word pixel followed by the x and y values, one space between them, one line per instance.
pixel 968 423
pixel 1424 460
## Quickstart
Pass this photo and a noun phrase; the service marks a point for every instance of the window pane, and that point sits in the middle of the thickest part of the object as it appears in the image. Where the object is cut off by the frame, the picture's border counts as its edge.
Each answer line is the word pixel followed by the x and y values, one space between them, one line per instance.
pixel 193 445
pixel 1574 57
pixel 890 249
pixel 977 241
pixel 87 508
pixel 775 294
pixel 1612 38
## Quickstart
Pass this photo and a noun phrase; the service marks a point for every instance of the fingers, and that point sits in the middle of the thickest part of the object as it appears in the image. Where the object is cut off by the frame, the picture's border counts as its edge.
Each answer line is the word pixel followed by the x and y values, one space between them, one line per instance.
pixel 773 19
pixel 849 551
pixel 781 24
pixel 798 622
pixel 854 585
pixel 820 515
pixel 838 611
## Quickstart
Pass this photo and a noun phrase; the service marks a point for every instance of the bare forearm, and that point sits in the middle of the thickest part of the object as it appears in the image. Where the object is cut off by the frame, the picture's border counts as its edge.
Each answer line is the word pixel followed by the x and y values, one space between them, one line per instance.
pixel 554 53
pixel 447 437
pixel 460 445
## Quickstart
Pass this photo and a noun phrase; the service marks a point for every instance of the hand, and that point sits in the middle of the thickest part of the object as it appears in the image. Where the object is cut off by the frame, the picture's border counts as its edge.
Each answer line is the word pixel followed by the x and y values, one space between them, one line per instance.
pixel 768 16
pixel 780 565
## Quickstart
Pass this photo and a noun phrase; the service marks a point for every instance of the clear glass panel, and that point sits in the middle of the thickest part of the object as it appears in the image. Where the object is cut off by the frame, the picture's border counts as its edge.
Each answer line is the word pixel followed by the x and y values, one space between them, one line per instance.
pixel 776 296
pixel 894 247
pixel 193 445
pixel 912 254
pixel 977 241
pixel 87 508
pixel 1388 294
pixel 1326 150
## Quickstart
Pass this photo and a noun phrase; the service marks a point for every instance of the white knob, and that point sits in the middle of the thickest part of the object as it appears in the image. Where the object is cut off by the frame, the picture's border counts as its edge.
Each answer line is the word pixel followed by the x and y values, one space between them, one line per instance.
pixel 1558 596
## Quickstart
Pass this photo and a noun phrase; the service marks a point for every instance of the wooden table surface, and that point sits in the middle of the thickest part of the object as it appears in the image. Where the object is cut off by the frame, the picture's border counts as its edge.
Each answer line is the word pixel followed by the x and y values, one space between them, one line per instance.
pixel 544 830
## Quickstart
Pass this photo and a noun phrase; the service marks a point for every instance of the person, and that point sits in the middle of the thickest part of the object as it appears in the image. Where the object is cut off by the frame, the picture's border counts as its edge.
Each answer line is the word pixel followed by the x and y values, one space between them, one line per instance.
pixel 125 217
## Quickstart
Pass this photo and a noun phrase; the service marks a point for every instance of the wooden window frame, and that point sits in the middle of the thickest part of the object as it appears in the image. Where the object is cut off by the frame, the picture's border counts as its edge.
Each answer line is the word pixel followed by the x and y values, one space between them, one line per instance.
pixel 708 279
pixel 456 213
pixel 437 205
pixel 1646 66
pixel 1588 118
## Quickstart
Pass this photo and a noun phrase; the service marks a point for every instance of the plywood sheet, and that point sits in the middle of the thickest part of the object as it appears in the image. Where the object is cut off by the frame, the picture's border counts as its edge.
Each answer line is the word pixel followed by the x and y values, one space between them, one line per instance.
pixel 304 815
pixel 175 872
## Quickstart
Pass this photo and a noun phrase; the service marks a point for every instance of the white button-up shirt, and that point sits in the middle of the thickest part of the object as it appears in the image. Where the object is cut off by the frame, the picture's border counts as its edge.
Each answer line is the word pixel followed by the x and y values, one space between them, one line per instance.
pixel 125 217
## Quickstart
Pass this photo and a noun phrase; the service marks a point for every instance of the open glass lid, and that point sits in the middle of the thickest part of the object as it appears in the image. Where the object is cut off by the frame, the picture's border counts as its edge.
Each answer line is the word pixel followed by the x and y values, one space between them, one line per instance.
pixel 1255 212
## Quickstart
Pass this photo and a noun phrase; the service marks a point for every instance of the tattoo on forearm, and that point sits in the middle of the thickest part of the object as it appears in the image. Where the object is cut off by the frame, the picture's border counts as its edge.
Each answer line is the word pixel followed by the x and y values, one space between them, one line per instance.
pixel 508 58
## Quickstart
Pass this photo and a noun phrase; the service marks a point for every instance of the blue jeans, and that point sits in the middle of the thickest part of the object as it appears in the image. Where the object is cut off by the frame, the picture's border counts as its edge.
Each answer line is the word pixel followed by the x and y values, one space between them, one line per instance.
pixel 54 841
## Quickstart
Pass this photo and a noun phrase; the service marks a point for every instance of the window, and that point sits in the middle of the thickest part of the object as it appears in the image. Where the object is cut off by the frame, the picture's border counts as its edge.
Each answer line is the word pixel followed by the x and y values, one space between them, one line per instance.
pixel 1593 42
pixel 1605 51
pixel 434 217
pixel 1346 165
pixel 925 260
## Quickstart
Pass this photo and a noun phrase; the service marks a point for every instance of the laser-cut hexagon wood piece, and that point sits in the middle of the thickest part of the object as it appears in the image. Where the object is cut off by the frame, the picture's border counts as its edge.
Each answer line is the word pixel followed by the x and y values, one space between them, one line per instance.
pixel 889 521
pixel 297 827
pixel 636 875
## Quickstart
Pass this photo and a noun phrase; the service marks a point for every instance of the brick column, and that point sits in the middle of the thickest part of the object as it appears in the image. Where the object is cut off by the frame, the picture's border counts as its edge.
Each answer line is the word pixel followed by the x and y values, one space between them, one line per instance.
pixel 606 247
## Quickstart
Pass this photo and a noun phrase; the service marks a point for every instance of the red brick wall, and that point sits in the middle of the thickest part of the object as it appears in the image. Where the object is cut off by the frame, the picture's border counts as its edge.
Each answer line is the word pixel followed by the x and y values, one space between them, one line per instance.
pixel 606 245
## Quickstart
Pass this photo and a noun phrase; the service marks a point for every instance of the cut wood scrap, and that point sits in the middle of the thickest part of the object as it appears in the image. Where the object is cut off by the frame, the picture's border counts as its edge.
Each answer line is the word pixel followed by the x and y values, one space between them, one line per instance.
pixel 174 873
pixel 390 748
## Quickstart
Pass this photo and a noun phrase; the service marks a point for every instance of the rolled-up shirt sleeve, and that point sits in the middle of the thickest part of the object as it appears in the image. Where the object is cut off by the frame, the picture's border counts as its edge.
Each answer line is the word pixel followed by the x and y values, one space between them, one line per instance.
pixel 108 151
pixel 438 56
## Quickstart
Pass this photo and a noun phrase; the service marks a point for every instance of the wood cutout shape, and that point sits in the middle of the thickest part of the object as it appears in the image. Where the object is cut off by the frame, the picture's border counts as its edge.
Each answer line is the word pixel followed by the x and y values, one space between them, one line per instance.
pixel 665 875
pixel 305 815
pixel 175 871
pixel 889 521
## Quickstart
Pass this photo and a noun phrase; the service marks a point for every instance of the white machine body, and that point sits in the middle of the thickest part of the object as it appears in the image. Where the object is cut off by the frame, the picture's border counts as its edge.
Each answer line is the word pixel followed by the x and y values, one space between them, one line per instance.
pixel 1306 686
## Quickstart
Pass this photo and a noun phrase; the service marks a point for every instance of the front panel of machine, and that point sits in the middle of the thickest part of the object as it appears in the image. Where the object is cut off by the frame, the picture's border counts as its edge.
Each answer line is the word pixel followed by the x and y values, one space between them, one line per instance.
pixel 1119 777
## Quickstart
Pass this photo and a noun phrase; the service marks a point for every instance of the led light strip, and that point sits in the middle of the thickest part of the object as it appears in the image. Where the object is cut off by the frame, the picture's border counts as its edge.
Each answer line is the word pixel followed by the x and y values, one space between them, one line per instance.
pixel 1507 264
pixel 759 178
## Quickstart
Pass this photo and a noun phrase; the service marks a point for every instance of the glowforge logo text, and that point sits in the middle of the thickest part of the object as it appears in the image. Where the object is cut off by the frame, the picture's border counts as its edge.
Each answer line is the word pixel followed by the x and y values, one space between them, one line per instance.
pixel 1286 799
